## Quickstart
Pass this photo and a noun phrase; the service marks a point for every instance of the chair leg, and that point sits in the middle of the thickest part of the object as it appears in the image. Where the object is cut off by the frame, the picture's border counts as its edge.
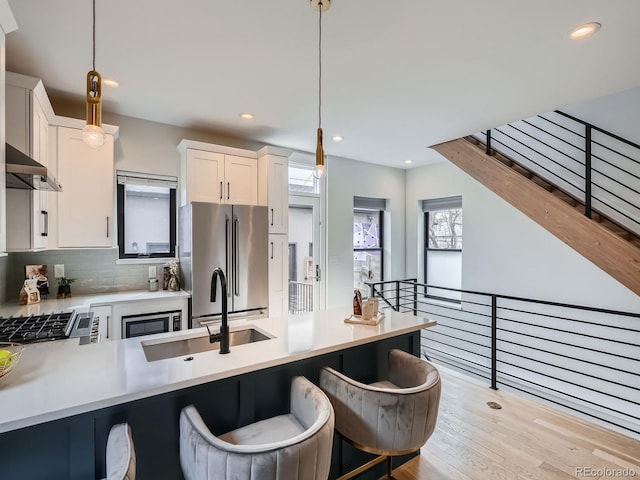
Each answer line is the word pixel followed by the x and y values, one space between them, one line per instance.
pixel 390 468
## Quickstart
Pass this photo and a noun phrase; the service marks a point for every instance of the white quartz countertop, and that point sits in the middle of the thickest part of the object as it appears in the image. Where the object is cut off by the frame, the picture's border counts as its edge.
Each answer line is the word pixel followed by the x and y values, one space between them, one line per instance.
pixel 57 379
pixel 84 302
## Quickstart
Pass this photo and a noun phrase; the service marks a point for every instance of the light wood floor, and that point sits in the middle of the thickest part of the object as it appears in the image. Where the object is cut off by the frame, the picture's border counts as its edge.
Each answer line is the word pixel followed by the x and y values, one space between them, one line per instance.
pixel 524 440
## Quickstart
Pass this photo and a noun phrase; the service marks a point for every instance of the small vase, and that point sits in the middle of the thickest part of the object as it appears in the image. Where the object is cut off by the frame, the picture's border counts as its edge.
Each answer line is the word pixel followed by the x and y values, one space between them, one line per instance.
pixel 173 285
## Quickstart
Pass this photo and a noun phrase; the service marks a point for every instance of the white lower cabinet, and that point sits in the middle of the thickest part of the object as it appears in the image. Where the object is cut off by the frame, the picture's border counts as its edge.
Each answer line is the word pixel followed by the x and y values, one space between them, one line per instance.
pixel 278 275
pixel 86 203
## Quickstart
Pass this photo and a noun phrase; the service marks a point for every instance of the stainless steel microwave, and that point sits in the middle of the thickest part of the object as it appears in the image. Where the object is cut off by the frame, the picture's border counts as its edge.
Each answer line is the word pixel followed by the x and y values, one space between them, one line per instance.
pixel 150 323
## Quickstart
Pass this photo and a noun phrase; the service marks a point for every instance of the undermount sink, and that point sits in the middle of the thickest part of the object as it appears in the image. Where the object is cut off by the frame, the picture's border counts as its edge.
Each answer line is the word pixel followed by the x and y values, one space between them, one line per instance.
pixel 167 348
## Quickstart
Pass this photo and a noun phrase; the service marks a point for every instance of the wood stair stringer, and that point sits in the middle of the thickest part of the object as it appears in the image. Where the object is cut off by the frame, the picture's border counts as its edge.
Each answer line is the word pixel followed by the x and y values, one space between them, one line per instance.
pixel 611 253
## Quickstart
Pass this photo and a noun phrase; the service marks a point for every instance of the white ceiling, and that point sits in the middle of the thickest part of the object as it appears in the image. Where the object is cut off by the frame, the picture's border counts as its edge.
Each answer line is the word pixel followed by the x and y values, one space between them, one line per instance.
pixel 398 75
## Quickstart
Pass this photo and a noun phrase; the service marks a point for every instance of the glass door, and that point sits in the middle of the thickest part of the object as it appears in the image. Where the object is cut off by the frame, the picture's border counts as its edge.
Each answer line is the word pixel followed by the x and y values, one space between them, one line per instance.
pixel 305 271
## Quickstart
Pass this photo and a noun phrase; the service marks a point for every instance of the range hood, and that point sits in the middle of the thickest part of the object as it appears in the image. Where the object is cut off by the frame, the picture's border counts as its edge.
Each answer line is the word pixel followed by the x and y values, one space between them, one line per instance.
pixel 25 173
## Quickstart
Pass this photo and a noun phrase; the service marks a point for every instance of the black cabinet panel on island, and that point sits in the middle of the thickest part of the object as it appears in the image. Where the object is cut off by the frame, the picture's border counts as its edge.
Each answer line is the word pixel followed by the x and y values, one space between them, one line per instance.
pixel 75 447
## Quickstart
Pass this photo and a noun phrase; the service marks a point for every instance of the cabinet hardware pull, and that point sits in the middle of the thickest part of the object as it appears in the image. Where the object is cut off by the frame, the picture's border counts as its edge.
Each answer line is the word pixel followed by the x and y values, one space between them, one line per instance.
pixel 236 259
pixel 272 217
pixel 45 225
pixel 271 250
pixel 228 247
pixel 317 279
pixel 221 194
pixel 228 190
pixel 107 227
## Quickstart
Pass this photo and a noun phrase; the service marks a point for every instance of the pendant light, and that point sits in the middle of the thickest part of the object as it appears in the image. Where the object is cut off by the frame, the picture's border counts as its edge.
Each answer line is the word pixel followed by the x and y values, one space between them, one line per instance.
pixel 92 133
pixel 320 170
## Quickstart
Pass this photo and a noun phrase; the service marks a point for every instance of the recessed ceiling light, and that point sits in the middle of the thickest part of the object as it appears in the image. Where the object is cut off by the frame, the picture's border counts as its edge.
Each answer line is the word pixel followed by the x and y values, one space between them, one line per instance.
pixel 338 138
pixel 408 162
pixel 246 116
pixel 585 30
pixel 110 82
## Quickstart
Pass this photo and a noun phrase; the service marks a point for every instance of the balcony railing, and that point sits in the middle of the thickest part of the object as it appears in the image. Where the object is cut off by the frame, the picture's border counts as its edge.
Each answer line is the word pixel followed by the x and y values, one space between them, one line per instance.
pixel 300 297
pixel 582 358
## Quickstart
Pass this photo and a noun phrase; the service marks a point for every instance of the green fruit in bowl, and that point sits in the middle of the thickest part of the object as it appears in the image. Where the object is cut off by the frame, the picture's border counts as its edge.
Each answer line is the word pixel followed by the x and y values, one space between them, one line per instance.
pixel 6 357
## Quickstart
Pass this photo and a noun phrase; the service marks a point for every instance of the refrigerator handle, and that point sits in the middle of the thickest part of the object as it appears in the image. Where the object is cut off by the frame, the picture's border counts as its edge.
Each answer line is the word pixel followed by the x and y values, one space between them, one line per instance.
pixel 236 255
pixel 228 246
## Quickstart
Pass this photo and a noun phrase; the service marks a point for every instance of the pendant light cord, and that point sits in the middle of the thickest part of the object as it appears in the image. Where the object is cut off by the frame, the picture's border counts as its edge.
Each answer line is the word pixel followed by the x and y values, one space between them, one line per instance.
pixel 94 35
pixel 319 65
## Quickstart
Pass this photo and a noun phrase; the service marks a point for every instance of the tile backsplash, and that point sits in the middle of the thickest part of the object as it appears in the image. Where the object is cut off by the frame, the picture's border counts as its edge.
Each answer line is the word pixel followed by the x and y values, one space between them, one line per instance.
pixel 96 271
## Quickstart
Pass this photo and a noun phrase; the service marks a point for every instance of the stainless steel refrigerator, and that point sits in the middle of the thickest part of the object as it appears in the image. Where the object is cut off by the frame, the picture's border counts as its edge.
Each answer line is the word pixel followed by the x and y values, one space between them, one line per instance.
pixel 234 238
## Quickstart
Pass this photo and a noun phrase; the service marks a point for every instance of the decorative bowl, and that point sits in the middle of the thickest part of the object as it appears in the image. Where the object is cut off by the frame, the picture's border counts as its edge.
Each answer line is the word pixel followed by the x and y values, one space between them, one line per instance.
pixel 9 360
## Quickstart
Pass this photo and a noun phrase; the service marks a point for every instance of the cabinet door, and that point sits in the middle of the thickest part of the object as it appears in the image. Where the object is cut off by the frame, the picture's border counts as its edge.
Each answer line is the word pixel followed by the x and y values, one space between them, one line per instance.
pixel 205 177
pixel 85 205
pixel 241 180
pixel 40 153
pixel 18 124
pixel 27 210
pixel 278 275
pixel 278 198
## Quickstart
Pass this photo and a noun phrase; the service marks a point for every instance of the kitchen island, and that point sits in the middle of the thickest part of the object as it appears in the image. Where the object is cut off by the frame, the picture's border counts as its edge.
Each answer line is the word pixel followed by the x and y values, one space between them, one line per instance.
pixel 62 398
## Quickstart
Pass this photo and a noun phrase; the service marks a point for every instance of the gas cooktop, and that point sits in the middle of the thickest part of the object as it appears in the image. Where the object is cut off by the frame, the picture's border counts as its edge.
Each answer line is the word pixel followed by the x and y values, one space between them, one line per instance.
pixel 37 328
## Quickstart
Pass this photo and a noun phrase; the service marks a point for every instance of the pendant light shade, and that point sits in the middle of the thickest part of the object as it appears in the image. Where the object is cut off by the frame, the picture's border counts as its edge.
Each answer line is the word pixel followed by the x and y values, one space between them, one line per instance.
pixel 320 170
pixel 92 133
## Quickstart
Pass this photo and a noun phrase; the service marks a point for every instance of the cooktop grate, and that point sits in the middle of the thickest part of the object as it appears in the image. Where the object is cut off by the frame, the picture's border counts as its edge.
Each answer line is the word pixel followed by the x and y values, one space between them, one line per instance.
pixel 35 328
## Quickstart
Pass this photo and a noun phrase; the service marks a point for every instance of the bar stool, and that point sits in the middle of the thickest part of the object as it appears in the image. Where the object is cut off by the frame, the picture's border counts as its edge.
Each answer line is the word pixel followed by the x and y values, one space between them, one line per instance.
pixel 390 417
pixel 292 446
pixel 121 455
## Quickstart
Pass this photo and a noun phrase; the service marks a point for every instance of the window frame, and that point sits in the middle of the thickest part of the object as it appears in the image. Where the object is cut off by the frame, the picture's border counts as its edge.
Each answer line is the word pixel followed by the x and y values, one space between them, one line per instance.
pixel 380 247
pixel 425 260
pixel 120 212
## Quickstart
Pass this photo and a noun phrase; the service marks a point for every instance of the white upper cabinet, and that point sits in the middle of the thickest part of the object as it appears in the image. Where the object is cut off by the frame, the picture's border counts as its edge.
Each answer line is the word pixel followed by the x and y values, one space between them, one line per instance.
pixel 217 174
pixel 241 180
pixel 28 116
pixel 86 203
pixel 204 176
pixel 273 187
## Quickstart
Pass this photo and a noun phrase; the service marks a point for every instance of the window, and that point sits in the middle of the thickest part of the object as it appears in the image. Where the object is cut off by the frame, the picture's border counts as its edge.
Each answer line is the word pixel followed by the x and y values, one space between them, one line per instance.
pixel 368 252
pixel 146 215
pixel 301 179
pixel 443 247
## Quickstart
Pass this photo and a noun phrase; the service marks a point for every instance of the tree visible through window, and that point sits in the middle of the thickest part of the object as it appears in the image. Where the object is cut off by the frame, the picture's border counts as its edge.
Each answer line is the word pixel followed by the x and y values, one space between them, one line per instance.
pixel 445 229
pixel 443 247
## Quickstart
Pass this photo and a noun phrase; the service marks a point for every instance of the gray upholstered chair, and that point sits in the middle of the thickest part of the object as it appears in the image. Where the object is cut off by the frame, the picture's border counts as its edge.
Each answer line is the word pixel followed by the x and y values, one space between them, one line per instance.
pixel 121 456
pixel 390 417
pixel 292 446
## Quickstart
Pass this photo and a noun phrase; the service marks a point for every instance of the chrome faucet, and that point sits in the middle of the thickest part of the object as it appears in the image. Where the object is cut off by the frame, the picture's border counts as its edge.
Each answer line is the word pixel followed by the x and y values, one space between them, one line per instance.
pixel 223 336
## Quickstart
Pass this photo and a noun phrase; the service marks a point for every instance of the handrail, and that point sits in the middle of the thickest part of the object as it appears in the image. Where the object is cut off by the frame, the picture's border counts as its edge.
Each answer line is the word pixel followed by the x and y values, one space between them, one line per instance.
pixel 609 172
pixel 568 354
pixel 601 130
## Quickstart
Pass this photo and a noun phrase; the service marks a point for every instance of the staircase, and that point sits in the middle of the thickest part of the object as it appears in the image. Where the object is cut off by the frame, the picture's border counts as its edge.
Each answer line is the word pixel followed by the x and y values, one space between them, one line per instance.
pixel 614 249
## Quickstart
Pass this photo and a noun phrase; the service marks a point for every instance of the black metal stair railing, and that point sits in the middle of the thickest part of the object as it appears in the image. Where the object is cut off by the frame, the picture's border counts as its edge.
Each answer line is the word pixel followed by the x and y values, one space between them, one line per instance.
pixel 582 358
pixel 599 169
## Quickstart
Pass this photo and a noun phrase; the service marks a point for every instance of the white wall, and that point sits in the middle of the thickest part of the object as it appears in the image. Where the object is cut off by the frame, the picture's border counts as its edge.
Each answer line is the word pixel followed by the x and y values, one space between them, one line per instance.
pixel 617 113
pixel 145 146
pixel 504 251
pixel 346 179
